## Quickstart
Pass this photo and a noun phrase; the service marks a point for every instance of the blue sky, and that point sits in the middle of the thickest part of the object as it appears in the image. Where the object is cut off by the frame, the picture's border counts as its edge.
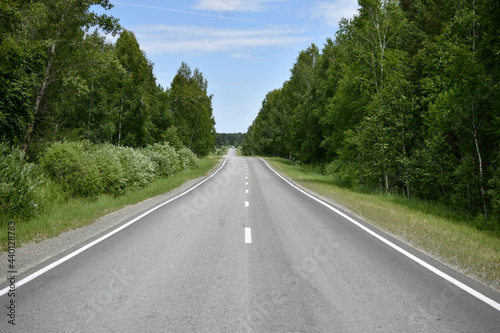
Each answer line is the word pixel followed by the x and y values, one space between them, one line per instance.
pixel 244 48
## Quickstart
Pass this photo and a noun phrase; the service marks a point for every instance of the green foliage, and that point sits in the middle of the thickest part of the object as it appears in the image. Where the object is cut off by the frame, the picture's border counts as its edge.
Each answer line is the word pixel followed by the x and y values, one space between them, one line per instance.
pixel 228 139
pixel 18 183
pixel 74 167
pixel 138 169
pixel 49 35
pixel 188 159
pixel 172 137
pixel 61 82
pixel 165 158
pixel 81 169
pixel 192 110
pixel 405 100
pixel 111 170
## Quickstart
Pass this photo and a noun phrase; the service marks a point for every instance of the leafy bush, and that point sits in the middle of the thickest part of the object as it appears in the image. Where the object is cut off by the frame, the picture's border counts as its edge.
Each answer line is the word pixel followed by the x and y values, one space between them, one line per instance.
pixel 73 166
pixel 188 158
pixel 165 157
pixel 111 170
pixel 342 175
pixel 138 169
pixel 18 182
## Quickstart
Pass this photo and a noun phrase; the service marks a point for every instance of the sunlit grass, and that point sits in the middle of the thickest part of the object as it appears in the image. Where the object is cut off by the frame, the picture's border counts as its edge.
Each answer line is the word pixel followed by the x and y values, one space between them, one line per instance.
pixel 65 214
pixel 433 228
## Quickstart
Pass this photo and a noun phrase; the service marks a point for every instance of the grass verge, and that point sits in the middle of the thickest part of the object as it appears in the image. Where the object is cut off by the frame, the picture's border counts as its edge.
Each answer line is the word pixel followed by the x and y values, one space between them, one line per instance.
pixel 76 213
pixel 427 226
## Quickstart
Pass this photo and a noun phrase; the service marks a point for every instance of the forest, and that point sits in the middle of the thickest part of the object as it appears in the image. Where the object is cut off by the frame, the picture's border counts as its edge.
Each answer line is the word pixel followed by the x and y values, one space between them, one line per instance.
pixel 228 139
pixel 61 80
pixel 404 99
pixel 78 111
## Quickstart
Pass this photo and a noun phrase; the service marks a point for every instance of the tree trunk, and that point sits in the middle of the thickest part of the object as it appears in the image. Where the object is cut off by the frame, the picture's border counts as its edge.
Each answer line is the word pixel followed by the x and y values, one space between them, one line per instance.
pixel 480 164
pixel 89 120
pixel 38 101
pixel 120 123
pixel 386 176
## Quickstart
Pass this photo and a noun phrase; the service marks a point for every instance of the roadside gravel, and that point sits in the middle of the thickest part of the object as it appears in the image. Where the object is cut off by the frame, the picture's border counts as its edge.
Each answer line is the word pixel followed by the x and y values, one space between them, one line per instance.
pixel 31 255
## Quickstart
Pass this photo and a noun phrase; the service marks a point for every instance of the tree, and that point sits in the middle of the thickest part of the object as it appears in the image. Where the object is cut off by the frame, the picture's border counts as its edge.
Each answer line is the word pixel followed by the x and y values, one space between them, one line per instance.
pixel 192 110
pixel 90 100
pixel 460 112
pixel 60 27
pixel 137 91
pixel 21 66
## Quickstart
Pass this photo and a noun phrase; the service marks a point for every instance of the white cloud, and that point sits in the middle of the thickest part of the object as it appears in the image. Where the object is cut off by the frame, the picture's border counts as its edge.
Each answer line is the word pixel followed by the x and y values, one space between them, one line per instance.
pixel 194 12
pixel 331 12
pixel 165 38
pixel 232 5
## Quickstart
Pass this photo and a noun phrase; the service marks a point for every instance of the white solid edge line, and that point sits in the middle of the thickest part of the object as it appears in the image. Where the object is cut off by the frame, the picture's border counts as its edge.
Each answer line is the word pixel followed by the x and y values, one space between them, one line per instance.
pixel 89 245
pixel 248 235
pixel 433 269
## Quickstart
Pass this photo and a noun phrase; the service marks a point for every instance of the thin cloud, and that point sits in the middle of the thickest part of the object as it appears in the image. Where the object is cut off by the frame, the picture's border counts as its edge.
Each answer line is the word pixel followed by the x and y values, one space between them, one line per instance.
pixel 172 39
pixel 331 12
pixel 233 5
pixel 182 11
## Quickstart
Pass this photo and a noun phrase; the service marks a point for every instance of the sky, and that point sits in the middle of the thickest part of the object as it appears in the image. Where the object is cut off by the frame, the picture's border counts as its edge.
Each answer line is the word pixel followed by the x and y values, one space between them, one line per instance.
pixel 244 48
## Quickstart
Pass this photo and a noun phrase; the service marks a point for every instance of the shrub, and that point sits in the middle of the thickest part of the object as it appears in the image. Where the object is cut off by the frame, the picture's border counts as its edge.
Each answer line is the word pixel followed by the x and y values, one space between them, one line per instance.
pixel 188 158
pixel 74 167
pixel 18 182
pixel 111 170
pixel 138 169
pixel 341 174
pixel 165 157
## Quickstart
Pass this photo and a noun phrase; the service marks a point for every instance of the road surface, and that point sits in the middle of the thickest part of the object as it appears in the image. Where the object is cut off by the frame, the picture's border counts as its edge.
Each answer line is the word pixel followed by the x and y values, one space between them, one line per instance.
pixel 245 251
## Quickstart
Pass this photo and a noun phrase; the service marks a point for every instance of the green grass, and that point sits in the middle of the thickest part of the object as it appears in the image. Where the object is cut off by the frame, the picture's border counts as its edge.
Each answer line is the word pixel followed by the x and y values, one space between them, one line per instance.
pixel 435 229
pixel 75 213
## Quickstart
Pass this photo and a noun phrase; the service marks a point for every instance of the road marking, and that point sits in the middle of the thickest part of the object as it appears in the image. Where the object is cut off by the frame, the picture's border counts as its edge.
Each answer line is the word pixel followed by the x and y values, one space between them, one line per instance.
pixel 89 245
pixel 247 204
pixel 248 235
pixel 246 183
pixel 419 261
pixel 246 191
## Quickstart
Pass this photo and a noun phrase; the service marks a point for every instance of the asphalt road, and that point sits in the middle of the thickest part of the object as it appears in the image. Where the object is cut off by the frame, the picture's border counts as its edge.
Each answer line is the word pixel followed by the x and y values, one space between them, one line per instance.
pixel 247 252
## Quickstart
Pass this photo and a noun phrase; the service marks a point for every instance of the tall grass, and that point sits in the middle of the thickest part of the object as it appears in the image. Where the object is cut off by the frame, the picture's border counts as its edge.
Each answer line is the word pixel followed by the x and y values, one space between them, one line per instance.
pixel 442 231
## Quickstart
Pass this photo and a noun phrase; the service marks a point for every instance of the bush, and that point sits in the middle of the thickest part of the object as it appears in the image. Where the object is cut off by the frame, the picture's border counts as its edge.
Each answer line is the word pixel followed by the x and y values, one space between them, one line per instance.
pixel 111 170
pixel 73 166
pixel 18 182
pixel 138 169
pixel 165 157
pixel 342 176
pixel 188 158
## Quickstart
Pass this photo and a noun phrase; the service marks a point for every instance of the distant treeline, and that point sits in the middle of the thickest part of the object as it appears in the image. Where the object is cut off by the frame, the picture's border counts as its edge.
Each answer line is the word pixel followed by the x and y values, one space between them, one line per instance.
pixel 229 139
pixel 405 98
pixel 60 80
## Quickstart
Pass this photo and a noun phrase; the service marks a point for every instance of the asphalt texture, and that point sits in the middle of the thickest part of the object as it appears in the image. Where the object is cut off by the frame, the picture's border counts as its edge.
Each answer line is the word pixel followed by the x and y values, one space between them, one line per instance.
pixel 189 266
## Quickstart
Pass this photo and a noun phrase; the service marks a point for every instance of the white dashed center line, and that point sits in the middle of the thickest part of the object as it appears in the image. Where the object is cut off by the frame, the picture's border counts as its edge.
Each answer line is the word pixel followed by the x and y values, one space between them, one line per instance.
pixel 248 235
